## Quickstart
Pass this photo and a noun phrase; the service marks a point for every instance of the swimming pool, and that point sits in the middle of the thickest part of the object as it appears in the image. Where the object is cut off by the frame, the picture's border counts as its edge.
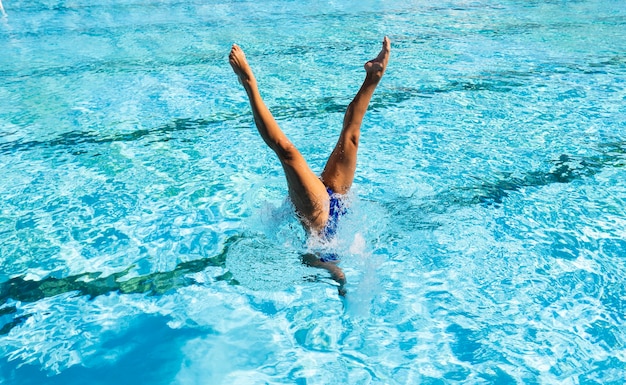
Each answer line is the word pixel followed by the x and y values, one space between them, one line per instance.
pixel 145 236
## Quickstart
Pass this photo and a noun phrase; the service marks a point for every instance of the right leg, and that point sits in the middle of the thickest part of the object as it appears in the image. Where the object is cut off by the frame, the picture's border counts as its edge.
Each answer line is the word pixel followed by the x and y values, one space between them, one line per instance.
pixel 306 191
pixel 339 171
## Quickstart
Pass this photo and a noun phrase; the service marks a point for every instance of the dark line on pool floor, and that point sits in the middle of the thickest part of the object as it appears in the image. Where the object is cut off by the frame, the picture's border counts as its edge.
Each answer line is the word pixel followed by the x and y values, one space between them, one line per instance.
pixel 93 285
pixel 565 169
pixel 71 141
pixel 76 138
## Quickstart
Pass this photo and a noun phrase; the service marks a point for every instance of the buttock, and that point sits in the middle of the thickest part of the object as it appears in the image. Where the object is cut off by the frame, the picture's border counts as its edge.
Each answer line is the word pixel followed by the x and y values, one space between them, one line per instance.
pixel 336 210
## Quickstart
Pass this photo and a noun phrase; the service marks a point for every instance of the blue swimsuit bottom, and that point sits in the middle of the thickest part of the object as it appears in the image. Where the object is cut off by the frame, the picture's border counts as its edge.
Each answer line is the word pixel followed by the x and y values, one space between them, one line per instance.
pixel 337 209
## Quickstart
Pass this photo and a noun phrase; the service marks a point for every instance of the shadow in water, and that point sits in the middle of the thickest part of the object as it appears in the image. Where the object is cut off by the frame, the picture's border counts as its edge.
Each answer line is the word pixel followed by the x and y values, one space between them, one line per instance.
pixel 93 285
pixel 149 352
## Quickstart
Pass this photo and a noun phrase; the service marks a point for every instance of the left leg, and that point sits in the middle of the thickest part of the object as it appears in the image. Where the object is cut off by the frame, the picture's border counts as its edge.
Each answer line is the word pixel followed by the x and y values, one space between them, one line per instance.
pixel 307 193
pixel 339 171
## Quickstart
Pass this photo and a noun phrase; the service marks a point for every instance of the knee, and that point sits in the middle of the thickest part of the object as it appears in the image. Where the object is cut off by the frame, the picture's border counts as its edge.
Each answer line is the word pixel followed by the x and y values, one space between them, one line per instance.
pixel 350 135
pixel 285 150
pixel 353 138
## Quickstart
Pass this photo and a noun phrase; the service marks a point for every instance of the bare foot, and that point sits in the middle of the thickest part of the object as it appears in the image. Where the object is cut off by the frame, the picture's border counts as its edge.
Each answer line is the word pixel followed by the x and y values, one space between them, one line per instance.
pixel 237 60
pixel 376 67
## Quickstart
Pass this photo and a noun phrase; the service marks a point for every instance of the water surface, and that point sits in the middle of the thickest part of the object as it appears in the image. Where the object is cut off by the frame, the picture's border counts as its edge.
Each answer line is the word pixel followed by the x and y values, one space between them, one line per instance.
pixel 145 235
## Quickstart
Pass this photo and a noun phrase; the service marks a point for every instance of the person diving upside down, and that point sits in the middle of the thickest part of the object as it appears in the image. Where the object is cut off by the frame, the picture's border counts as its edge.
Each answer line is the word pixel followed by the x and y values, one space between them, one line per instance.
pixel 317 200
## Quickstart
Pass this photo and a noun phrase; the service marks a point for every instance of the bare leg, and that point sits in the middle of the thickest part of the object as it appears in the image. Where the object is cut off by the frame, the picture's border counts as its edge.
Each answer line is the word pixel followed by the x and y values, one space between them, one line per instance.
pixel 306 191
pixel 339 171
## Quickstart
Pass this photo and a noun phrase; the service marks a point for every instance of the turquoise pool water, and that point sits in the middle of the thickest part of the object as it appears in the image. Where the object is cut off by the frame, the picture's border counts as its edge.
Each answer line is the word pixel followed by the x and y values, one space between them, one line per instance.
pixel 145 235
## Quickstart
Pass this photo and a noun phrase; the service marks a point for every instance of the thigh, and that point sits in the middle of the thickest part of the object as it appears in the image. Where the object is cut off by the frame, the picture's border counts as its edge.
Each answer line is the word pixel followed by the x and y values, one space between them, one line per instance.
pixel 307 192
pixel 339 171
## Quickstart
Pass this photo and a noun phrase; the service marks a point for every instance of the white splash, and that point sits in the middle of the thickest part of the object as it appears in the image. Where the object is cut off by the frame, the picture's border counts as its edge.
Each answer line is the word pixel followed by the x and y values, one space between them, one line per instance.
pixel 359 299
